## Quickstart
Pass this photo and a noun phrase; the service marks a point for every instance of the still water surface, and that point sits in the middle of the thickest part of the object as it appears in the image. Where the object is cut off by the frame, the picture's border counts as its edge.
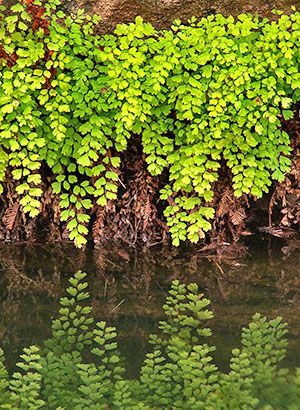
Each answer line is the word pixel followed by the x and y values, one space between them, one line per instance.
pixel 128 287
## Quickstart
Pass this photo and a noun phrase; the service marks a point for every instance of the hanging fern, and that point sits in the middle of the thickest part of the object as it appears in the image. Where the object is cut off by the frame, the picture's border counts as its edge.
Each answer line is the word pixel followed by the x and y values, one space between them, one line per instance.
pixel 199 95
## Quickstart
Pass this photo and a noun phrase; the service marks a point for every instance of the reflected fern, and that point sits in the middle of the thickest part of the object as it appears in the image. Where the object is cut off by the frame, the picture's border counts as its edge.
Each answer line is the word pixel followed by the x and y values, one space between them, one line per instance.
pixel 80 367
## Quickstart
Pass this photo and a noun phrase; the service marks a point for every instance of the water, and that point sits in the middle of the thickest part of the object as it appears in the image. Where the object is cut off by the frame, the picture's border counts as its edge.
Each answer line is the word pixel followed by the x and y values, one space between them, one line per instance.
pixel 128 287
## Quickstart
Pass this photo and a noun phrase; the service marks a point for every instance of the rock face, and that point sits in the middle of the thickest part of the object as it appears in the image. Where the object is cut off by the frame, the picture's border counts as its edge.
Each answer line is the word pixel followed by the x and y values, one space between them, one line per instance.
pixel 161 13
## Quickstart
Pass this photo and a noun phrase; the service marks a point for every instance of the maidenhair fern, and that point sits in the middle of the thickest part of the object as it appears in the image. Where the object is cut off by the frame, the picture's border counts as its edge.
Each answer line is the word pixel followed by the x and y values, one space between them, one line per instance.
pixel 200 95
pixel 80 367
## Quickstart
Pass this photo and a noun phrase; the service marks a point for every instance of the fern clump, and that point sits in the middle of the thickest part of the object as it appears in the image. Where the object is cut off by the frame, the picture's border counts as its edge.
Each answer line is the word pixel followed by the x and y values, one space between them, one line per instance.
pixel 80 367
pixel 200 95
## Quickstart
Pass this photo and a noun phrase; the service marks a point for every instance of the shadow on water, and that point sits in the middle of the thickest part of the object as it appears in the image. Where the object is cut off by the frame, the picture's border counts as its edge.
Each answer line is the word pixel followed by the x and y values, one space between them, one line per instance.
pixel 128 288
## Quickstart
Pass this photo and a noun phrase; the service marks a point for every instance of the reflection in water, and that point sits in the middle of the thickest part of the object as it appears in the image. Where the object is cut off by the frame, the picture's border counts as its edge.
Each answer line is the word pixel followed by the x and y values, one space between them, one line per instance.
pixel 128 288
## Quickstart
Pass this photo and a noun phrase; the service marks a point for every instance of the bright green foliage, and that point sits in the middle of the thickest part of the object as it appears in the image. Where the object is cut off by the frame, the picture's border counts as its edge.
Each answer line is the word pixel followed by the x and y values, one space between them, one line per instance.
pixel 79 367
pixel 53 112
pixel 202 95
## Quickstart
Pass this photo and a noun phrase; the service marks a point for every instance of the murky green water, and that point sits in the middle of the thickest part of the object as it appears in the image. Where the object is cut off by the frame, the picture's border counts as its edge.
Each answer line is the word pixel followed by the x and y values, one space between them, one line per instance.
pixel 128 288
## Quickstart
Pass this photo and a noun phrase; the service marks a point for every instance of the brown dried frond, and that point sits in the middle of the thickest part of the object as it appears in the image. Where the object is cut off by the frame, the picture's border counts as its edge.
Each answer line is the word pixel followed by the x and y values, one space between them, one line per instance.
pixel 10 216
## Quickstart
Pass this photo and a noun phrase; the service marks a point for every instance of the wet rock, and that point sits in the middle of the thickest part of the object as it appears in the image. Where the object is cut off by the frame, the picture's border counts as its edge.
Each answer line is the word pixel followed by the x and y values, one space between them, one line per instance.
pixel 161 13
